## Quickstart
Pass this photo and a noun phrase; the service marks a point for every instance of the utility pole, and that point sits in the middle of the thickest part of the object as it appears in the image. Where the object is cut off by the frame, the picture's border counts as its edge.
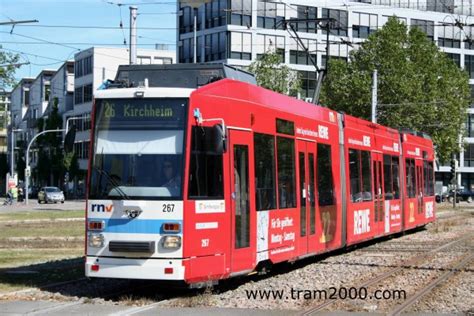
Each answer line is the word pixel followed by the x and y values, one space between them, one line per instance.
pixel 195 36
pixel 374 96
pixel 321 72
pixel 133 35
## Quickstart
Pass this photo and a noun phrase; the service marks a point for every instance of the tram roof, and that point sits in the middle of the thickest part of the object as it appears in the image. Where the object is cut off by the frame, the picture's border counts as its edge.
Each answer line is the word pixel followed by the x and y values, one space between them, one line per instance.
pixel 237 90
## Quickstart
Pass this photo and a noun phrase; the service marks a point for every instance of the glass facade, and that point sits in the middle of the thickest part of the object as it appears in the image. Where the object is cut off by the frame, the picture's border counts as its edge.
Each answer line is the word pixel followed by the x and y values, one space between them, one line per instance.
pixel 245 30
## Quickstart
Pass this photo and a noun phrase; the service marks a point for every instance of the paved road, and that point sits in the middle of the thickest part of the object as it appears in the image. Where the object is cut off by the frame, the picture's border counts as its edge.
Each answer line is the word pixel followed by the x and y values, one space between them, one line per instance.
pixel 78 308
pixel 33 205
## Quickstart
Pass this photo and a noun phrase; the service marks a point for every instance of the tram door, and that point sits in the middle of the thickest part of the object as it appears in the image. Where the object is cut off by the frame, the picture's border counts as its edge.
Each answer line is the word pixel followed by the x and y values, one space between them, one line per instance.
pixel 379 210
pixel 306 196
pixel 243 210
pixel 419 187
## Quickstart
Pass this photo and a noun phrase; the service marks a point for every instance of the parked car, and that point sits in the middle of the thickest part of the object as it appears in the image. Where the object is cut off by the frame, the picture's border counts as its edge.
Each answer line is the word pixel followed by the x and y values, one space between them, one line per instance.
pixel 461 195
pixel 50 194
pixel 33 192
pixel 441 197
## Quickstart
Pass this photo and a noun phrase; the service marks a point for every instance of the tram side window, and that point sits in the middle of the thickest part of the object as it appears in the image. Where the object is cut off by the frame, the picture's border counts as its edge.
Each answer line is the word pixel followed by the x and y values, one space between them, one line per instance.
pixel 205 169
pixel 264 152
pixel 391 177
pixel 360 175
pixel 286 172
pixel 325 180
pixel 396 177
pixel 366 175
pixel 428 177
pixel 410 175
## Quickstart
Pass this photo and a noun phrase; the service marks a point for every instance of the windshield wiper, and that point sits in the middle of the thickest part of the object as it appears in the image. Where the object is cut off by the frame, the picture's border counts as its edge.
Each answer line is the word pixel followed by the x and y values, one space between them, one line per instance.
pixel 115 184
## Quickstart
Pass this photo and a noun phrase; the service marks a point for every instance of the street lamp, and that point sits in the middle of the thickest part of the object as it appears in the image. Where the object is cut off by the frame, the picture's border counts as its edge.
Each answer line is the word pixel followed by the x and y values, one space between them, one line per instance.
pixel 28 172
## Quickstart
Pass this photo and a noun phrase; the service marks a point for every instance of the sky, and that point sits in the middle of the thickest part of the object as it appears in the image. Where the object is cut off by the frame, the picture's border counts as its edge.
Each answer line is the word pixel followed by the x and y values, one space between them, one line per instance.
pixel 67 26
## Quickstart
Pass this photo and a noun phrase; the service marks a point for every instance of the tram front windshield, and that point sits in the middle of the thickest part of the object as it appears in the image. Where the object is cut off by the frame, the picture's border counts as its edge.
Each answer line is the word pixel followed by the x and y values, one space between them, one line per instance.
pixel 138 149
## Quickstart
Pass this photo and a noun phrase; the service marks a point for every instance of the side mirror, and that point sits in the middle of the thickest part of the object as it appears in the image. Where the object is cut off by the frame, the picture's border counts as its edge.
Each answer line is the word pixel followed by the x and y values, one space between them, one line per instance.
pixel 69 139
pixel 219 139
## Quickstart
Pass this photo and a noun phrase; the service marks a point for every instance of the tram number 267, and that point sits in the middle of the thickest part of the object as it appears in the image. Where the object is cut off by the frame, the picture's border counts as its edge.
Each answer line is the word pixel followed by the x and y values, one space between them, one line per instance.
pixel 168 208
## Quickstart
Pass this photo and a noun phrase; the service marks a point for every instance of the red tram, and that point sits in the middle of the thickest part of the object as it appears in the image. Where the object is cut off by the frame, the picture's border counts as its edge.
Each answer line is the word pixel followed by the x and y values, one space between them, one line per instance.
pixel 264 178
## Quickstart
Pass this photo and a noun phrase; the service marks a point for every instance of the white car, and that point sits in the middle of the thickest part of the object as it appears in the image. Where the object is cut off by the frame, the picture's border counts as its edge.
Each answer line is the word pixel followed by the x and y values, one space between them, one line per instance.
pixel 50 194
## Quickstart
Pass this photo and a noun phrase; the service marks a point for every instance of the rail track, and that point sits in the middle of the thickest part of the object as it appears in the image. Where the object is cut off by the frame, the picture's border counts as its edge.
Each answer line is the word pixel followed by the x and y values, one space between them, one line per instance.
pixel 150 294
pixel 456 266
pixel 414 260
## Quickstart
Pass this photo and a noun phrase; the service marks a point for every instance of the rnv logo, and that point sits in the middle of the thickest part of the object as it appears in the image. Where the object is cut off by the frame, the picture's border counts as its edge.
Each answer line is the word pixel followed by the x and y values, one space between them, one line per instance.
pixel 101 208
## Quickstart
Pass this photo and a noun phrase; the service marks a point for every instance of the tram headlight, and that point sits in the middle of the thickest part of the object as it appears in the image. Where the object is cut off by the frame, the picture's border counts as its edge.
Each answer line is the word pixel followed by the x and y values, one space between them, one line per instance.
pixel 96 240
pixel 171 242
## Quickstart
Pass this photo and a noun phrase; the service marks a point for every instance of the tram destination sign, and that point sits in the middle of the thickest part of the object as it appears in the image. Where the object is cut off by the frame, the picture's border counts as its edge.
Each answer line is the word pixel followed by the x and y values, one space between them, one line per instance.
pixel 123 111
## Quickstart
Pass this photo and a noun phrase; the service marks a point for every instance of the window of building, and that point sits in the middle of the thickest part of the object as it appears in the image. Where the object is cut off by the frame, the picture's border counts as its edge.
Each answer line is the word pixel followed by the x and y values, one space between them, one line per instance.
pixel 469 156
pixel 78 68
pixel 446 6
pixel 264 151
pixel 216 13
pixel 426 26
pixel 269 43
pixel 472 96
pixel 308 83
pixel 449 36
pixel 144 60
pixel 186 19
pixel 186 50
pixel 468 38
pixel 305 13
pixel 339 26
pixel 456 58
pixel 87 64
pixel 270 15
pixel 241 12
pixel 78 95
pixel 205 169
pixel 470 125
pixel 87 90
pixel 241 46
pixel 410 177
pixel 325 177
pixel 286 172
pixel 47 91
pixel 215 48
pixel 298 54
pixel 364 24
pixel 26 97
pixel 81 150
pixel 360 175
pixel 469 65
pixel 83 67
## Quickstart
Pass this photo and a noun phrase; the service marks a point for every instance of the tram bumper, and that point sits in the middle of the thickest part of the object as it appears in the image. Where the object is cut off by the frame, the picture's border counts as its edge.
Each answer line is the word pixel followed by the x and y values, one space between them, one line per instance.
pixel 129 268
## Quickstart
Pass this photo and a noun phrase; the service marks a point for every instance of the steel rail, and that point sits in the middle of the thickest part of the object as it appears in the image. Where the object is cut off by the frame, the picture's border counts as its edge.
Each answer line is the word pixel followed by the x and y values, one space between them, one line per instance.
pixel 411 261
pixel 459 264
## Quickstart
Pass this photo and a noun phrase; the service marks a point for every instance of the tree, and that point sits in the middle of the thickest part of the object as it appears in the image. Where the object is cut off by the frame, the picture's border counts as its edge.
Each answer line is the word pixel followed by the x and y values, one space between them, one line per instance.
pixel 419 87
pixel 271 75
pixel 7 70
pixel 50 161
